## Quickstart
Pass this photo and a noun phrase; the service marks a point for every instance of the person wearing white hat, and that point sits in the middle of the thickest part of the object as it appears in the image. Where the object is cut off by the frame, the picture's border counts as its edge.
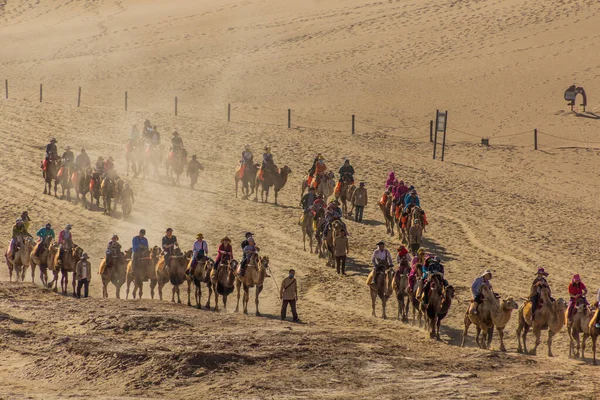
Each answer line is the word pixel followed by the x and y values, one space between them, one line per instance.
pixel 83 275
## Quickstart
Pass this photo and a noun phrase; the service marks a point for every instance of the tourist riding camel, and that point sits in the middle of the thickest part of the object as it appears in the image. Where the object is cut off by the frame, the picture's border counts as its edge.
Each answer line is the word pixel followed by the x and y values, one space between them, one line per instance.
pixel 43 234
pixel 199 252
pixel 139 244
pixel 99 166
pixel 411 199
pixel 390 180
pixel 249 251
pixel 65 242
pixel 435 269
pixel 312 171
pixel 51 149
pixel 538 284
pixel 176 142
pixel 68 157
pixel 169 243
pixel 113 251
pixel 155 135
pixel 82 161
pixel 268 165
pixel 577 290
pixel 247 159
pixel 225 252
pixel 381 255
pixel 346 169
pixel 320 170
pixel 403 258
pixel 476 286
pixel 19 229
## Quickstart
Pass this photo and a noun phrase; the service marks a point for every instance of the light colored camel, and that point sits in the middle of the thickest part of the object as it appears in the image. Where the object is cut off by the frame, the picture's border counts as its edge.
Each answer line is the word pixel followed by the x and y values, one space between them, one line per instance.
pixel 175 272
pixel 308 229
pixel 579 323
pixel 144 271
pixel 22 257
pixel 440 301
pixel 550 316
pixel 71 257
pixel 255 274
pixel 387 217
pixel 200 276
pixel 490 313
pixel 45 259
pixel 594 332
pixel 334 229
pixel 116 273
pixel 223 281
pixel 351 191
pixel 343 196
pixel 248 181
pixel 381 286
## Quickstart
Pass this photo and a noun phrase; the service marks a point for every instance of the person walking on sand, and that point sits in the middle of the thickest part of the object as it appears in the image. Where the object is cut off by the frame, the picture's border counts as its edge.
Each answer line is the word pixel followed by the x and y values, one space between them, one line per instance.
pixel 83 274
pixel 360 199
pixel 289 295
pixel 341 249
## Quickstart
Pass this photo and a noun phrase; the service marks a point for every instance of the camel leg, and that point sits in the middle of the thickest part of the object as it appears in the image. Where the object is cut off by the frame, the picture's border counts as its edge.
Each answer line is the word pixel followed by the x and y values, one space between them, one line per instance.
pixel 153 283
pixel 74 293
pixel 594 338
pixel 550 335
pixel 118 291
pixel 578 342
pixel 257 292
pixel 210 293
pixel 140 288
pixel 178 295
pixel 246 299
pixel 198 295
pixel 466 330
pixel 585 336
pixel 373 300
pixel 238 284
pixel 571 341
pixel 537 332
pixel 127 289
pixel 383 304
pixel 216 299
pixel 189 284
pixel 173 294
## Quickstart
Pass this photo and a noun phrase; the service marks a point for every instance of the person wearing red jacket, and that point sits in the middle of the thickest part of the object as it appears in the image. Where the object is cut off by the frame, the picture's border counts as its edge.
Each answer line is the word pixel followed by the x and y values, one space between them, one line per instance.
pixel 225 252
pixel 577 290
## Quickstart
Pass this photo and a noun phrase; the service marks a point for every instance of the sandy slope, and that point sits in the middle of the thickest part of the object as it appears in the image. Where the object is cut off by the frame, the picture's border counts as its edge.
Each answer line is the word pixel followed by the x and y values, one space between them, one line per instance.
pixel 498 67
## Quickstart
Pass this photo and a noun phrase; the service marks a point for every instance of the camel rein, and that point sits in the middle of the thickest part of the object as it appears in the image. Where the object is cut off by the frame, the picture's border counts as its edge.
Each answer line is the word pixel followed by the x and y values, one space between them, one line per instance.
pixel 274 281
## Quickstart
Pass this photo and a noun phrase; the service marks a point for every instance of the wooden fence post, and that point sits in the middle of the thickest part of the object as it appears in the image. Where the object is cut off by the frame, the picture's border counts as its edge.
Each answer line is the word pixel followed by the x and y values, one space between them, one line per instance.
pixel 228 112
pixel 40 92
pixel 289 118
pixel 175 105
pixel 431 131
pixel 535 144
pixel 79 97
pixel 353 123
pixel 125 100
pixel 6 87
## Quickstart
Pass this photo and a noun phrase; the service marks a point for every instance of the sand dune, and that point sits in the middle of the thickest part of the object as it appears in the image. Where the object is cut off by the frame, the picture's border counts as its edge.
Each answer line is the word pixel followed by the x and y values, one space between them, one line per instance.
pixel 499 67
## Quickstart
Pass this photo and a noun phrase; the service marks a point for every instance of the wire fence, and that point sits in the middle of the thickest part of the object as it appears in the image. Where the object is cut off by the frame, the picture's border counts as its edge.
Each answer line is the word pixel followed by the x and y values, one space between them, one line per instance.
pixel 242 113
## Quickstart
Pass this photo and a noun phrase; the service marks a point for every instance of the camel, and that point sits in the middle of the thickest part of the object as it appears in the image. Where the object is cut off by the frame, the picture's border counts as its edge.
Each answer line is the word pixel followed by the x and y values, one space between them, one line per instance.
pixel 440 301
pixel 45 258
pixel 72 255
pixel 351 191
pixel 95 183
pixel 326 185
pixel 201 275
pixel 388 218
pixel 50 170
pixel 343 195
pixel 491 313
pixel 550 316
pixel 414 299
pixel 400 285
pixel 144 271
pixel 256 272
pixel 319 224
pixel 276 179
pixel 248 181
pixel 308 229
pixel 116 273
pixel 579 323
pixel 327 245
pixel 154 157
pixel 134 155
pixel 21 258
pixel 108 190
pixel 175 165
pixel 80 181
pixel 174 272
pixel 594 332
pixel 64 175
pixel 223 281
pixel 381 286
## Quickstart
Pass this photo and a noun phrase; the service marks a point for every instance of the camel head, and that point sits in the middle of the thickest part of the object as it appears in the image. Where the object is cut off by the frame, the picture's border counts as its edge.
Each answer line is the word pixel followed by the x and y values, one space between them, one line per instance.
pixel 561 304
pixel 77 252
pixel 510 304
pixel 449 292
pixel 285 170
pixel 264 262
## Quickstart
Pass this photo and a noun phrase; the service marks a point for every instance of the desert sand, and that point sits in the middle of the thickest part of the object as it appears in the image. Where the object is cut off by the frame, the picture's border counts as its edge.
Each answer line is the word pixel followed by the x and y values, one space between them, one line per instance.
pixel 500 69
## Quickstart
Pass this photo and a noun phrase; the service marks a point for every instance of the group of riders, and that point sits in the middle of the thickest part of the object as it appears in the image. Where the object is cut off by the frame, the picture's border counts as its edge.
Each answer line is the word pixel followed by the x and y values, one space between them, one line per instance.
pixel 148 142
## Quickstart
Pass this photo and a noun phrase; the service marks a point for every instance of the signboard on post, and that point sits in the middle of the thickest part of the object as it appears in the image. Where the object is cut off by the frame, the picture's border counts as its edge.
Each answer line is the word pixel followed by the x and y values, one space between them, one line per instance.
pixel 441 121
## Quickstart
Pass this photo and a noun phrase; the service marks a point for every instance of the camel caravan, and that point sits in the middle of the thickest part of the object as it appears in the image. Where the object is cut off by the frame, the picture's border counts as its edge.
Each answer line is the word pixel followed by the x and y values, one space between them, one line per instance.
pixel 90 185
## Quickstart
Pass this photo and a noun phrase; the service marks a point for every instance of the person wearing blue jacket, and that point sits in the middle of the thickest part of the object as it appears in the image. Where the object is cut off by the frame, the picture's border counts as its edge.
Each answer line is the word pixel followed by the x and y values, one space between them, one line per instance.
pixel 138 244
pixel 411 198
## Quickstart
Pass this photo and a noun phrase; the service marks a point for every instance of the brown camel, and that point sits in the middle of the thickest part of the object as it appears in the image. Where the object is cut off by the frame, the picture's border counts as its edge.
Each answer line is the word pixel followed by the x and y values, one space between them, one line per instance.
pixel 223 281
pixel 550 316
pixel 594 332
pixel 175 272
pixel 116 273
pixel 440 301
pixel 326 185
pixel 579 323
pixel 255 274
pixel 248 180
pixel 276 179
pixel 45 259
pixel 491 313
pixel 381 286
pixel 71 257
pixel 351 191
pixel 332 232
pixel 21 258
pixel 307 225
pixel 343 196
pixel 387 216
pixel 400 285
pixel 144 271
pixel 200 276
pixel 319 224
pixel 414 297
